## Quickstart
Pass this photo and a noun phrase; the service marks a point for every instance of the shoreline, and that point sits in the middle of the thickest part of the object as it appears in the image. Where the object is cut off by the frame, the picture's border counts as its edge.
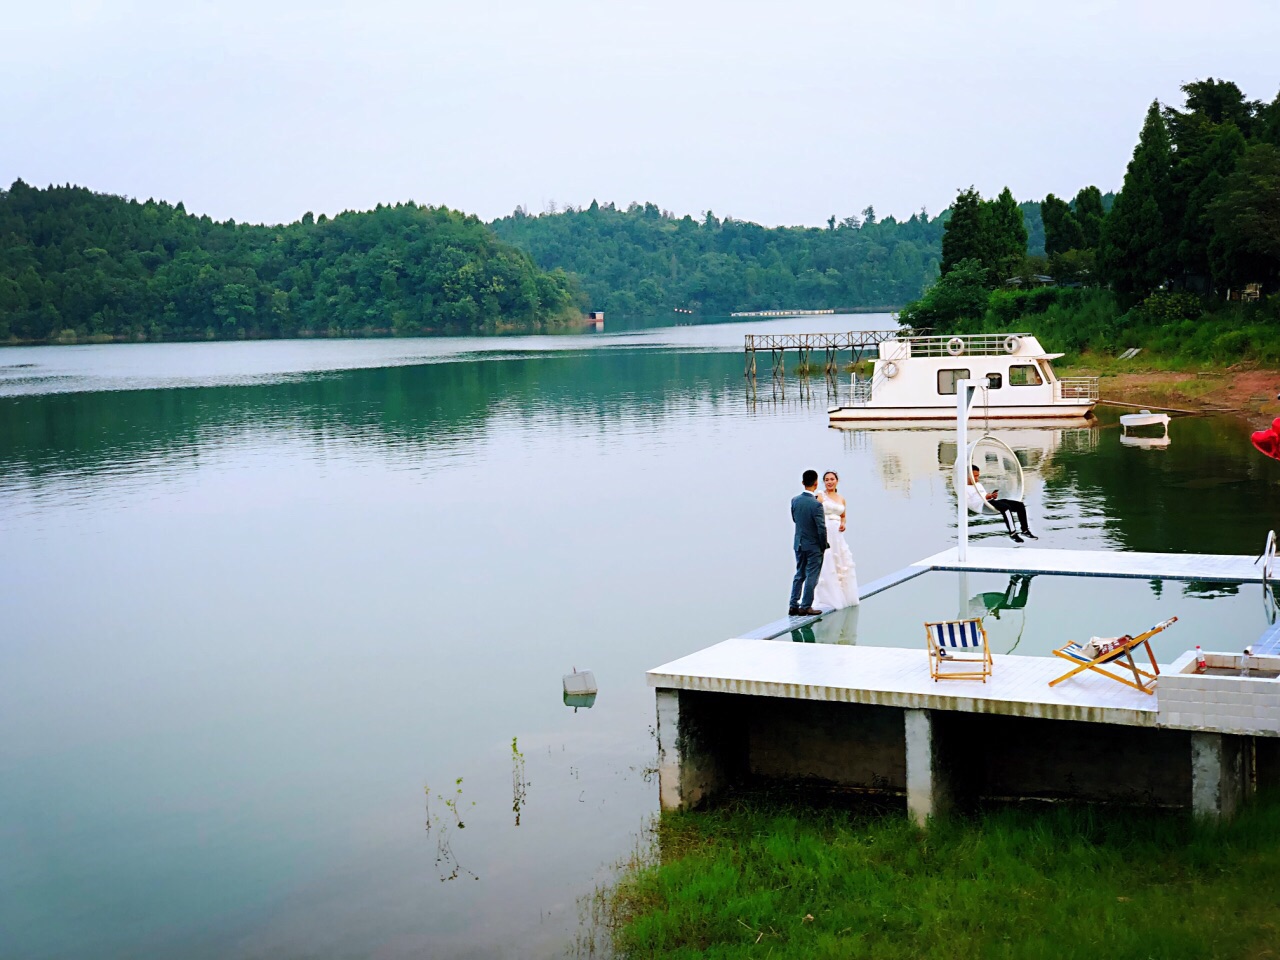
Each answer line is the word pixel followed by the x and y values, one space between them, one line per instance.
pixel 1242 390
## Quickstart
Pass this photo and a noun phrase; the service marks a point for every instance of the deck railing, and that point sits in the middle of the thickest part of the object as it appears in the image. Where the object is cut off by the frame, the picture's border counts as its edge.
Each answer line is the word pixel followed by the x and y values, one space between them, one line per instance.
pixel 1076 388
pixel 971 345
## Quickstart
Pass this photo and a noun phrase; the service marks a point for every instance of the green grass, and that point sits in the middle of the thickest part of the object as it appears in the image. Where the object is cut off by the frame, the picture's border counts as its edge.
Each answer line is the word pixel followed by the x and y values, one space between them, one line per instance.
pixel 763 879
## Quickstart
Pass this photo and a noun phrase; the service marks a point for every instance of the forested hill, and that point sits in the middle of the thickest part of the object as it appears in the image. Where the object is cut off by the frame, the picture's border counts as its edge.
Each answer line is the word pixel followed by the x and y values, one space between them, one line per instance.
pixel 78 265
pixel 643 260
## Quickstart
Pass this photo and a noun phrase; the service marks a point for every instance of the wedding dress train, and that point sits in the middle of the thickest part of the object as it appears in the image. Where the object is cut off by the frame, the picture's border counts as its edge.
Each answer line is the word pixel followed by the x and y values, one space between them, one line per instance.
pixel 838 582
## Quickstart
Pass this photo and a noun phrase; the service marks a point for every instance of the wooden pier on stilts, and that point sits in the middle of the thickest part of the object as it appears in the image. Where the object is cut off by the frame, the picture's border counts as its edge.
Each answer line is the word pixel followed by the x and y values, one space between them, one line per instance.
pixel 855 342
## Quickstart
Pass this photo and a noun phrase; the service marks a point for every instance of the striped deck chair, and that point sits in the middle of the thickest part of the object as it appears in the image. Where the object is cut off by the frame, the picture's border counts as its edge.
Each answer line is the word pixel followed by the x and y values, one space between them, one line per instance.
pixel 958 650
pixel 1119 652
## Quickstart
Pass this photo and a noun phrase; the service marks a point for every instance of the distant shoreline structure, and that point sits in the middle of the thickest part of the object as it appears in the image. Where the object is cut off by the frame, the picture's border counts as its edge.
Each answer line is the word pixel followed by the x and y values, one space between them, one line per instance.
pixel 781 313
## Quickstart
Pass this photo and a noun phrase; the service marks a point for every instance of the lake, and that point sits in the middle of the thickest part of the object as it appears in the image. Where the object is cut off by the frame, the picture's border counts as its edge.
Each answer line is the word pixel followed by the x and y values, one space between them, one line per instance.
pixel 285 623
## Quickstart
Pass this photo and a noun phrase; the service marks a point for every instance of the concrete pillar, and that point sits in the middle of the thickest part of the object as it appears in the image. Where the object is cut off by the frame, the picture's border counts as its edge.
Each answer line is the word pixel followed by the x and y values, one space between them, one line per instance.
pixel 668 755
pixel 693 761
pixel 928 790
pixel 1217 775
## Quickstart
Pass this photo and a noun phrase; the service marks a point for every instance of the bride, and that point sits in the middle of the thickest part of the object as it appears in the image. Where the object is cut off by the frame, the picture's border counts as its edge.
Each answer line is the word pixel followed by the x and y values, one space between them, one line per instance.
pixel 838 582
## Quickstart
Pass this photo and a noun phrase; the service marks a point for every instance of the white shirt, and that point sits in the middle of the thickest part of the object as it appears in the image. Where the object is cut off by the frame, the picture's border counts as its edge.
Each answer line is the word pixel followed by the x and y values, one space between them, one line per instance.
pixel 976 496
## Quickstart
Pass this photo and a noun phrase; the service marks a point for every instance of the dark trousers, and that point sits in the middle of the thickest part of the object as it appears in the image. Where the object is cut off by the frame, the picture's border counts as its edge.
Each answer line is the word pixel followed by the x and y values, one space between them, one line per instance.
pixel 1012 506
pixel 808 566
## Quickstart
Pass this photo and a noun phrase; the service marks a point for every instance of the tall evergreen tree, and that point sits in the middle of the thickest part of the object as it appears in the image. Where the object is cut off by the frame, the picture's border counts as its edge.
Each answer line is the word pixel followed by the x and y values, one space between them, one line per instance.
pixel 1246 214
pixel 963 238
pixel 1087 207
pixel 1208 139
pixel 1136 252
pixel 1006 237
pixel 1062 231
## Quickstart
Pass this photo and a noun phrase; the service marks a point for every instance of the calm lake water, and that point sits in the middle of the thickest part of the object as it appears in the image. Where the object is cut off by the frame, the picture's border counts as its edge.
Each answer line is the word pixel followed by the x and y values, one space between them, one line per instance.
pixel 284 623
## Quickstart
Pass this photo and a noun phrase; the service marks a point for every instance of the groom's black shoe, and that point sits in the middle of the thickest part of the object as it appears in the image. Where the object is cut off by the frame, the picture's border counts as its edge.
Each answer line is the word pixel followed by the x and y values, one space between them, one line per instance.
pixel 793 612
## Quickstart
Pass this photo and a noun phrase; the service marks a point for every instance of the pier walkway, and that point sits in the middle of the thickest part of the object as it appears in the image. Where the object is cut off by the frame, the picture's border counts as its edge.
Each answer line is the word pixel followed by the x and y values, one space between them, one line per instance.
pixel 856 342
pixel 1100 563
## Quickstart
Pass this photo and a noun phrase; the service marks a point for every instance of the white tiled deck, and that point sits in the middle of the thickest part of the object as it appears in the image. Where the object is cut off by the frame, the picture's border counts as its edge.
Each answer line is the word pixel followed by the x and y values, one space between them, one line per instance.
pixel 892 676
pixel 1101 563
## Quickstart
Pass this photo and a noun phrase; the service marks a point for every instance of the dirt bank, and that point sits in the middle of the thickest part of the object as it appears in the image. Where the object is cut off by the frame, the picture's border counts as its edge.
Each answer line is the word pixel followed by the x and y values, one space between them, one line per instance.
pixel 1247 392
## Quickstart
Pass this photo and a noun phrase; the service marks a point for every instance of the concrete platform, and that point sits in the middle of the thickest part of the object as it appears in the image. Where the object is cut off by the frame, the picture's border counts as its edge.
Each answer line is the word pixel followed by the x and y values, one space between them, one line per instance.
pixel 898 677
pixel 872 718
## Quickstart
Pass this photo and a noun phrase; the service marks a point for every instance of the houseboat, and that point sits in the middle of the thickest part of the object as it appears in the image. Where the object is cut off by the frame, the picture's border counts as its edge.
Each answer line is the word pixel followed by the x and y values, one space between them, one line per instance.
pixel 914 378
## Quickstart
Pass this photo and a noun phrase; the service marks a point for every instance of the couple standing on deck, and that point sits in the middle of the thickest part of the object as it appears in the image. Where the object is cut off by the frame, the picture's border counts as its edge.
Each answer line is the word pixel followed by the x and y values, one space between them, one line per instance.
pixel 825 571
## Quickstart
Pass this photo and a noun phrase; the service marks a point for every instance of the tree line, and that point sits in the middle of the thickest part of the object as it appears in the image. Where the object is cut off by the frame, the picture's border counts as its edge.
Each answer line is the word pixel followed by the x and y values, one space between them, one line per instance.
pixel 80 265
pixel 645 261
pixel 1196 221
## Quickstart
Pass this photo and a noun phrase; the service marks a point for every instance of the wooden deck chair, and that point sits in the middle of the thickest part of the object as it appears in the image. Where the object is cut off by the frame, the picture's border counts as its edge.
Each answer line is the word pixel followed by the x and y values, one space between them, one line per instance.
pixel 1119 652
pixel 958 644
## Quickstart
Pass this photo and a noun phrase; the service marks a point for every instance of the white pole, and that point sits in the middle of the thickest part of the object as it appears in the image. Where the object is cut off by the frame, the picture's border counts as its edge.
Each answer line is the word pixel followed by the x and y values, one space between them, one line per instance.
pixel 962 469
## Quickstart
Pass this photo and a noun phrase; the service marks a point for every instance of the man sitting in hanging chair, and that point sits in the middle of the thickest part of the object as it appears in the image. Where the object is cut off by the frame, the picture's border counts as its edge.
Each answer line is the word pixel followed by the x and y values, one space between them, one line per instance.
pixel 976 497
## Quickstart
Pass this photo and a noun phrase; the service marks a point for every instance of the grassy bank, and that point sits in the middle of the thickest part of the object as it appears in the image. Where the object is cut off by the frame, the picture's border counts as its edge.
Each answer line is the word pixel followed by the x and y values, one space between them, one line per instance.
pixel 1177 331
pixel 763 878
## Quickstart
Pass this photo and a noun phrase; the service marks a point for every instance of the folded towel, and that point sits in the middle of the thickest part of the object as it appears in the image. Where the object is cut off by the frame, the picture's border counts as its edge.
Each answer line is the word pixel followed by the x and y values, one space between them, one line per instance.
pixel 1098 646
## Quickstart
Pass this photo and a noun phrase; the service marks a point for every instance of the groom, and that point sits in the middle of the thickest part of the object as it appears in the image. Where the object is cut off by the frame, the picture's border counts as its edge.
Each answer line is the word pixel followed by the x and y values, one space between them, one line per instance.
pixel 810 542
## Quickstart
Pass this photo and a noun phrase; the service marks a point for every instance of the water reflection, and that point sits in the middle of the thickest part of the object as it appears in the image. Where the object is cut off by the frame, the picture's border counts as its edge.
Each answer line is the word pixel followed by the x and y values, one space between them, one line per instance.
pixel 259 615
pixel 1013 599
pixel 1062 608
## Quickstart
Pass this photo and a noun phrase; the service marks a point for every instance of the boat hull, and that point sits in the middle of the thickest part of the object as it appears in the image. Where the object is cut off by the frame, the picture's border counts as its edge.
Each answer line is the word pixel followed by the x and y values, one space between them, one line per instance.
pixel 1057 411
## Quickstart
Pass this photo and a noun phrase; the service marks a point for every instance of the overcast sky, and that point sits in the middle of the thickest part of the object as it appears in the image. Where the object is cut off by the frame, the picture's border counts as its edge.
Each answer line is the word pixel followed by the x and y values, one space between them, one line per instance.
pixel 781 113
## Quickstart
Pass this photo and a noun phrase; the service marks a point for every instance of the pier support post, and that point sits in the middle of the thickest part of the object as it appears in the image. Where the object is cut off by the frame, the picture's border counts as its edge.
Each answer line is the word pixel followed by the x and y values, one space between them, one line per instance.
pixel 1217 775
pixel 928 789
pixel 694 757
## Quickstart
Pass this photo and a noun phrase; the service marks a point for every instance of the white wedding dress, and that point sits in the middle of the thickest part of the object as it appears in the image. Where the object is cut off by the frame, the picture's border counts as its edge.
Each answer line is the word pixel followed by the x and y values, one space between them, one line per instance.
pixel 838 582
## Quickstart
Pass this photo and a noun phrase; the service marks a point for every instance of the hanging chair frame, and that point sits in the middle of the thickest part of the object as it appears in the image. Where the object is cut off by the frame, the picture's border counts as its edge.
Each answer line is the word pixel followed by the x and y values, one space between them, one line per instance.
pixel 987 438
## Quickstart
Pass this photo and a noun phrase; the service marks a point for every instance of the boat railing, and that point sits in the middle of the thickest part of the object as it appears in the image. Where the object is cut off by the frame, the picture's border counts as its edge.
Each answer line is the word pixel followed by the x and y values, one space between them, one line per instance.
pixel 964 345
pixel 860 392
pixel 1076 388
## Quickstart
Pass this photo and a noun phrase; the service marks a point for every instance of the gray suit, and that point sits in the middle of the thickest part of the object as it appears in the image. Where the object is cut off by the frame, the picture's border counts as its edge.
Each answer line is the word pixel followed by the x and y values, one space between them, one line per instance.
pixel 809 543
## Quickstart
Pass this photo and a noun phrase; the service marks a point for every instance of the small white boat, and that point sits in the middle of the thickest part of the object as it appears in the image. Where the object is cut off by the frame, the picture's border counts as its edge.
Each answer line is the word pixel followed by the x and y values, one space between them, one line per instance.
pixel 914 378
pixel 1144 418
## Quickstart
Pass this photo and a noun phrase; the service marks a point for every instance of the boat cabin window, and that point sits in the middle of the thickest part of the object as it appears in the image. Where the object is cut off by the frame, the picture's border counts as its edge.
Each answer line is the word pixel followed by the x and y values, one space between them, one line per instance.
pixel 947 380
pixel 1024 375
pixel 994 381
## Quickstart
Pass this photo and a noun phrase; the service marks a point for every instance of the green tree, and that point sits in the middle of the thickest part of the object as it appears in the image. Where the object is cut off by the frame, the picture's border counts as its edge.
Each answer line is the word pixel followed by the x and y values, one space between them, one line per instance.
pixel 960 295
pixel 1246 218
pixel 1089 213
pixel 963 238
pixel 1136 251
pixel 1062 232
pixel 1006 244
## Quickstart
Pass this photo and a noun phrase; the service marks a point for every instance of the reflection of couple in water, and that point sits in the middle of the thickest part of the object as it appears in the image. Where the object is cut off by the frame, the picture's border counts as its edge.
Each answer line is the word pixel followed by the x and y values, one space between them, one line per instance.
pixel 826 576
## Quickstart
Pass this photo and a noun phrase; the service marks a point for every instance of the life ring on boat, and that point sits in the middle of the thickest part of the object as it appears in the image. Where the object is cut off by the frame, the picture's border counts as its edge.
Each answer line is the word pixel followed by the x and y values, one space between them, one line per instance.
pixel 955 346
pixel 890 369
pixel 1011 344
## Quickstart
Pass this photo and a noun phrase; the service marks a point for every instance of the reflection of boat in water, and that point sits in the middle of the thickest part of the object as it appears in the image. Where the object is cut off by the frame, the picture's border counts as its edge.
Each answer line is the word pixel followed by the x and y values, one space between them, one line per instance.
pixel 1144 419
pixel 910 454
pixel 1145 443
pixel 914 378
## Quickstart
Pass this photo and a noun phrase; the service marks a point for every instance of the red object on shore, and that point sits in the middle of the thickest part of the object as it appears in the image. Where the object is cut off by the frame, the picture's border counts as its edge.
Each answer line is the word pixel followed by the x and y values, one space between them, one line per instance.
pixel 1267 441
